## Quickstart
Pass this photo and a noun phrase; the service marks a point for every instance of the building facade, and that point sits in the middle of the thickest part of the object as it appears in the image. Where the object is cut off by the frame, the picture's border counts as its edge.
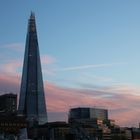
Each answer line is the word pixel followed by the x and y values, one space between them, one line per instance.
pixel 8 103
pixel 88 113
pixel 32 99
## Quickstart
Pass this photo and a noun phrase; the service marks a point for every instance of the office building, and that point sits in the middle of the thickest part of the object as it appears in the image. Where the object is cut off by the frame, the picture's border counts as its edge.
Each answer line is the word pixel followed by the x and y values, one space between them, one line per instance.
pixel 32 99
pixel 8 103
pixel 88 113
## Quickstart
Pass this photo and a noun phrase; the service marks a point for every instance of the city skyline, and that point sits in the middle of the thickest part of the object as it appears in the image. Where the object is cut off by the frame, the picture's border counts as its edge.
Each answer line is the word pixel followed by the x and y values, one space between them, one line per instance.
pixel 89 52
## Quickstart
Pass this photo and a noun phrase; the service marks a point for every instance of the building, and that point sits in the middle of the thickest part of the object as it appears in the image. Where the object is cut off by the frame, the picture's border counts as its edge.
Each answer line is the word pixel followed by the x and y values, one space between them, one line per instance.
pixel 8 104
pixel 12 124
pixel 32 99
pixel 63 131
pixel 88 113
pixel 90 123
pixel 135 133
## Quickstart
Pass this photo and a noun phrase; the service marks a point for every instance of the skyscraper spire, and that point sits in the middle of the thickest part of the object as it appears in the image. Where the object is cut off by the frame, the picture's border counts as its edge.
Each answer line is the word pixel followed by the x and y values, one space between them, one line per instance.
pixel 32 15
pixel 32 98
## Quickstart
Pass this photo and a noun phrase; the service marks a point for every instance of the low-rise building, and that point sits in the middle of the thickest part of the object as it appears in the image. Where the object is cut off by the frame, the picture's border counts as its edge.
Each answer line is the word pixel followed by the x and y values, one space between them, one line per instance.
pixel 8 103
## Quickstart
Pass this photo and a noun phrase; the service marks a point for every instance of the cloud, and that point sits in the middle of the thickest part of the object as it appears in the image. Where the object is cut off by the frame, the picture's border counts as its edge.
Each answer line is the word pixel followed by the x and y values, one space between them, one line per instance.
pixel 11 67
pixel 87 66
pixel 47 59
pixel 14 46
pixel 121 105
pixel 14 66
pixel 9 83
pixel 121 100
pixel 47 62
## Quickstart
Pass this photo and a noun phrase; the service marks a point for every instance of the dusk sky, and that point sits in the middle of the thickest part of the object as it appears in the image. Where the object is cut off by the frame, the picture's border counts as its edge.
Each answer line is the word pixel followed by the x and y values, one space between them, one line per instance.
pixel 90 54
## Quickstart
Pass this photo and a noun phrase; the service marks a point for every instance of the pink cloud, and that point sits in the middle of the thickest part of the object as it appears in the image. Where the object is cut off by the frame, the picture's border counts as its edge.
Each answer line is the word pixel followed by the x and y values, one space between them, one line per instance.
pixel 47 59
pixel 11 67
pixel 122 103
pixel 9 83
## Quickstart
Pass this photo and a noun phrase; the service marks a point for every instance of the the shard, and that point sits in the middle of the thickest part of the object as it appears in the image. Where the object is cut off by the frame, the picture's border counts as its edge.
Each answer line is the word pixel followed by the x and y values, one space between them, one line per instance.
pixel 32 99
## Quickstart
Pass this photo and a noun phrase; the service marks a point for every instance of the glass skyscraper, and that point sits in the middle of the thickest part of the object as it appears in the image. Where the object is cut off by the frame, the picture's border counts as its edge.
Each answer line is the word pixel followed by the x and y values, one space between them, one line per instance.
pixel 32 99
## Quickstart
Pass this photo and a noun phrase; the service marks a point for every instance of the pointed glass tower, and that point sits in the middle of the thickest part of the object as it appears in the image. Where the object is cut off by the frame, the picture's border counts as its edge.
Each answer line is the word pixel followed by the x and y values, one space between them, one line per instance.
pixel 32 98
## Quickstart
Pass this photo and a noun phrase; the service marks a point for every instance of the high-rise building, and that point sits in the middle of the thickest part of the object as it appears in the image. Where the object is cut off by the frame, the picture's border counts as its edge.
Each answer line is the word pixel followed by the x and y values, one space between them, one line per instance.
pixel 32 99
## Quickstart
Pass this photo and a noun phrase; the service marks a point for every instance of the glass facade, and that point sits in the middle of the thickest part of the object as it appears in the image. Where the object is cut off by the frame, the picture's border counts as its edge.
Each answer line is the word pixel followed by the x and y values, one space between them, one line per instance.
pixel 79 113
pixel 99 113
pixel 32 98
pixel 88 113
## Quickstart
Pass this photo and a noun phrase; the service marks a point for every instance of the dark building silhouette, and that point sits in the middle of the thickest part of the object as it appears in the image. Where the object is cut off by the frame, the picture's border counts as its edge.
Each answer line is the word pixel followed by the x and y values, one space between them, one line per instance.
pixel 32 98
pixel 8 103
pixel 12 123
pixel 88 113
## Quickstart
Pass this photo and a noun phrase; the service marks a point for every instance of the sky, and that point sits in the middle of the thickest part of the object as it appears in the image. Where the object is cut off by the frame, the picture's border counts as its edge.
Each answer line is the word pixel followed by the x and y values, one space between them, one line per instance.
pixel 90 52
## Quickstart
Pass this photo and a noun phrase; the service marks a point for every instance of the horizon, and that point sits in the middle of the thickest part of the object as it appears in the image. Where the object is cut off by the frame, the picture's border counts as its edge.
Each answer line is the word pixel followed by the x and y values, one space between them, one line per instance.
pixel 89 54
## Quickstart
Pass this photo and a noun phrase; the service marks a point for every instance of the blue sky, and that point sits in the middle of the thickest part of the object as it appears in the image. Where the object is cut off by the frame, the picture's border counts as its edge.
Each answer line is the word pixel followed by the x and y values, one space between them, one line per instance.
pixel 78 33
pixel 83 43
